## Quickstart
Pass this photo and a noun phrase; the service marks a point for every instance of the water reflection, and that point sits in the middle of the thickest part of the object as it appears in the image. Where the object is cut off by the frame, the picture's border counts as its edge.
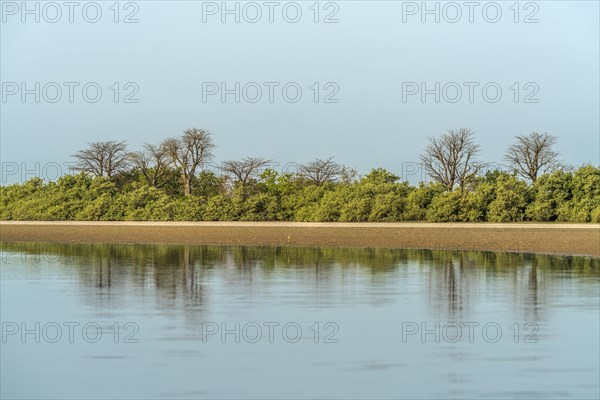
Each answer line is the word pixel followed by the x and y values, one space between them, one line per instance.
pixel 454 279
pixel 171 291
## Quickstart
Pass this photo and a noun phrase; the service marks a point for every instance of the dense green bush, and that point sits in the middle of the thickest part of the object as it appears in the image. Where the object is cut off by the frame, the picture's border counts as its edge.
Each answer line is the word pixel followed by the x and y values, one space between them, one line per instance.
pixel 585 201
pixel 378 196
pixel 419 199
pixel 511 199
pixel 477 201
pixel 446 207
pixel 551 192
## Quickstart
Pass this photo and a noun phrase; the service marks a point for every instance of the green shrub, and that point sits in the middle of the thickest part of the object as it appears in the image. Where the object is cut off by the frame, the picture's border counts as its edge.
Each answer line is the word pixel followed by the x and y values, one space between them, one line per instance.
pixel 446 207
pixel 512 197
pixel 419 199
pixel 377 196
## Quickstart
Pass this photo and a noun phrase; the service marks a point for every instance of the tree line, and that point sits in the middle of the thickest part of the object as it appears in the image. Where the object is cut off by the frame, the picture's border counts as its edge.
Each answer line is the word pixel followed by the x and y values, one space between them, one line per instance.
pixel 170 181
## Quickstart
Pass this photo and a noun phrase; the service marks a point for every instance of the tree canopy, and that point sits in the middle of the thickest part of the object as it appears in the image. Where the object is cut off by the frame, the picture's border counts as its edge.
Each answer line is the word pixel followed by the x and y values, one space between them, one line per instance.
pixel 171 181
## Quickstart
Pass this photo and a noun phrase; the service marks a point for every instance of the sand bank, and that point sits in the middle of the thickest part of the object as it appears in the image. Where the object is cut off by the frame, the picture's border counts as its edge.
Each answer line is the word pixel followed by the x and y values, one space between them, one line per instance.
pixel 574 239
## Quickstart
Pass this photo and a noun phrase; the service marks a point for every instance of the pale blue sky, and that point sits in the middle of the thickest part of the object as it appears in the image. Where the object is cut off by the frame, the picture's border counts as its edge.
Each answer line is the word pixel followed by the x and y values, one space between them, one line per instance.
pixel 369 53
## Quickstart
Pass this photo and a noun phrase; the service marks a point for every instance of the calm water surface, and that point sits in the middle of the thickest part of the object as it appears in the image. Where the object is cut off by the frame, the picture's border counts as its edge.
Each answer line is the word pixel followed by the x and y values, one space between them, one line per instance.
pixel 262 322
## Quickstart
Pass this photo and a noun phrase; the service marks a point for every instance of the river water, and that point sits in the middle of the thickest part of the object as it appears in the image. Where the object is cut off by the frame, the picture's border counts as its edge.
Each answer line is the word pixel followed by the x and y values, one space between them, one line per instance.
pixel 124 321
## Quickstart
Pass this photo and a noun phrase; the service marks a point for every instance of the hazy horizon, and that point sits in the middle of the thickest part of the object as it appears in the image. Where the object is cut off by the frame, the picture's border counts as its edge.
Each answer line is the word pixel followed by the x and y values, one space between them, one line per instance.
pixel 371 61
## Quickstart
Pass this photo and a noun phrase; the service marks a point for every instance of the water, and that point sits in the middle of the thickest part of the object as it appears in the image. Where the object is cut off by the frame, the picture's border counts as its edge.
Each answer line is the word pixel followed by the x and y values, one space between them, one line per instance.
pixel 361 313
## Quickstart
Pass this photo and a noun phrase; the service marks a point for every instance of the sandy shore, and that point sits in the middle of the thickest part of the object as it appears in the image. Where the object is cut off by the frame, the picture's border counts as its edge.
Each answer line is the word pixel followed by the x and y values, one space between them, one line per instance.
pixel 574 239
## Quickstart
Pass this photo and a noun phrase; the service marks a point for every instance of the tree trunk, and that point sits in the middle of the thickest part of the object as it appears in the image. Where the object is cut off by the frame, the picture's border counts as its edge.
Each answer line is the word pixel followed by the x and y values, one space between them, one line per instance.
pixel 187 185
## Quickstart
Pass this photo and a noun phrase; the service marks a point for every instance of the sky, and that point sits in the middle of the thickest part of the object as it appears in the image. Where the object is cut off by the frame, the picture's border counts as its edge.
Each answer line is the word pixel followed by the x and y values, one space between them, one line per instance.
pixel 365 81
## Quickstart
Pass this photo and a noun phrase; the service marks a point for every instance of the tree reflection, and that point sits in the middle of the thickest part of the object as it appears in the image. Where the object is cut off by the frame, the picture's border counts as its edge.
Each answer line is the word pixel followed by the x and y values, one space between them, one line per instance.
pixel 178 275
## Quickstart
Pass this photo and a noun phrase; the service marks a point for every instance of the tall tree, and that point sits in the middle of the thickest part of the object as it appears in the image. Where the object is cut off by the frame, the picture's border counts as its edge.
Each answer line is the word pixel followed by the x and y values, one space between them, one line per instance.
pixel 188 152
pixel 152 162
pixel 451 158
pixel 533 155
pixel 103 158
pixel 245 170
pixel 319 171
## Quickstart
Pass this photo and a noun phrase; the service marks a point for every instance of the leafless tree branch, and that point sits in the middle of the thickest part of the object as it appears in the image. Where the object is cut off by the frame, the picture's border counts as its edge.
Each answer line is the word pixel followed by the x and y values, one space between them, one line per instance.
pixel 532 155
pixel 152 162
pixel 320 171
pixel 103 158
pixel 188 152
pixel 451 158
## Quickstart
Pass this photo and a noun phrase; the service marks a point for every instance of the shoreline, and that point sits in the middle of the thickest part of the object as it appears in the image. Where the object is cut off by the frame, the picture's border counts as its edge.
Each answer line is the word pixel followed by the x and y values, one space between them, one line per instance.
pixel 550 238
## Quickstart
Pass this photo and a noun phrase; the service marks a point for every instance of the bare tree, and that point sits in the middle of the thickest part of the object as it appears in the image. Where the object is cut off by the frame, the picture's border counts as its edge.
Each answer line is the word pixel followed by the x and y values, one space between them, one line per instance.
pixel 450 159
pixel 348 175
pixel 152 162
pixel 532 154
pixel 320 171
pixel 245 170
pixel 103 158
pixel 188 152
